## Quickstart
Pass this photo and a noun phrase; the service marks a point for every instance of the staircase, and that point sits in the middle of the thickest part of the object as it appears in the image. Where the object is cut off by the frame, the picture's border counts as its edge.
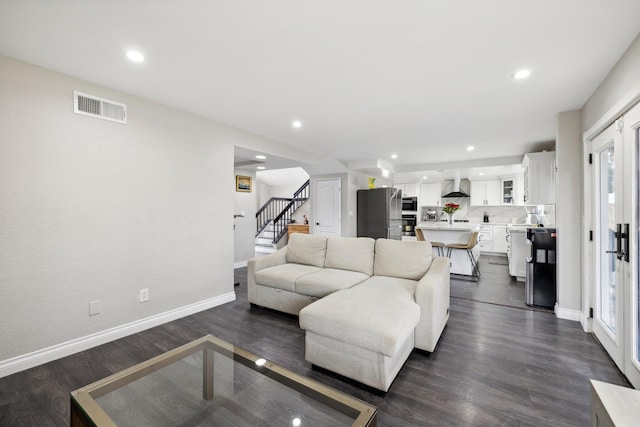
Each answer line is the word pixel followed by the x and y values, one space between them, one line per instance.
pixel 264 240
pixel 274 216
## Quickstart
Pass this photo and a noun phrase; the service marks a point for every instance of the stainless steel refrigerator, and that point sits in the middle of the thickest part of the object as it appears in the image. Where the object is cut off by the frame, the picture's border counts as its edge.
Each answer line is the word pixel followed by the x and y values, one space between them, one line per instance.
pixel 380 213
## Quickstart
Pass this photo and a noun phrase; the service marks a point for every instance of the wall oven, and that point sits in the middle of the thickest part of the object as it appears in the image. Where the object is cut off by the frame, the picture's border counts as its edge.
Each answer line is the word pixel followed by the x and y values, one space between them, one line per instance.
pixel 409 222
pixel 410 204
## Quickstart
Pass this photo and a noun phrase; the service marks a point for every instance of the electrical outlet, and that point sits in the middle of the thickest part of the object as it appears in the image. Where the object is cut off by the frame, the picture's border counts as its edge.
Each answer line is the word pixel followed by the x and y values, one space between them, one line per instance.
pixel 143 296
pixel 94 308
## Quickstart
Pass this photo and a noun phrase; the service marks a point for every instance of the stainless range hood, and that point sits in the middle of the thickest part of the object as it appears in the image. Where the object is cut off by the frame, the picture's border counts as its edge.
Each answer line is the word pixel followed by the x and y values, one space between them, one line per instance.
pixel 457 192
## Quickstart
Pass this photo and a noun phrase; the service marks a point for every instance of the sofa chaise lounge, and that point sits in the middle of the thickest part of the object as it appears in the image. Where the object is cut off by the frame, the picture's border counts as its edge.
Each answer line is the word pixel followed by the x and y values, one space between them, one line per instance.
pixel 364 303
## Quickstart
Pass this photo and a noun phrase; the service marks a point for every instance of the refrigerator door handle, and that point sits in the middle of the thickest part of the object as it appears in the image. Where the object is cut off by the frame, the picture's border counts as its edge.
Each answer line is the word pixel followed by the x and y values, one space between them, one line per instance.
pixel 529 259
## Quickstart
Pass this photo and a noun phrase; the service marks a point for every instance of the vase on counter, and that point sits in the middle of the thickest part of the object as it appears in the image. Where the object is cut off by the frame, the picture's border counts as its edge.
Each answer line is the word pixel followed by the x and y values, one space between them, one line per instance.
pixel 450 218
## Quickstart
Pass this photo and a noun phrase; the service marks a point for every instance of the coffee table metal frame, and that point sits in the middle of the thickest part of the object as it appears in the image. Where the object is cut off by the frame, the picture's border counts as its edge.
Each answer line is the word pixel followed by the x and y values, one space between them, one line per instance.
pixel 85 411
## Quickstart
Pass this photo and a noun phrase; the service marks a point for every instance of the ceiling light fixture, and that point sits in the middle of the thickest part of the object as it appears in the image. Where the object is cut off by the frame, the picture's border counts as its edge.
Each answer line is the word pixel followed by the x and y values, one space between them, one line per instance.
pixel 260 362
pixel 522 74
pixel 394 156
pixel 425 177
pixel 471 148
pixel 135 56
pixel 260 168
pixel 296 124
pixel 261 157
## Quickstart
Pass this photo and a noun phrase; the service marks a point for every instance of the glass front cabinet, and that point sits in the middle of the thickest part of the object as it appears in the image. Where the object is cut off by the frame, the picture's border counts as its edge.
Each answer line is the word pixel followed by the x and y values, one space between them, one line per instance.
pixel 508 191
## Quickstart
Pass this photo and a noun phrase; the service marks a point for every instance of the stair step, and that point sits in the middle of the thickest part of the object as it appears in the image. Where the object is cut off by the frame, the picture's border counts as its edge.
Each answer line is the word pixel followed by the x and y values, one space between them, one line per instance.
pixel 264 242
pixel 265 249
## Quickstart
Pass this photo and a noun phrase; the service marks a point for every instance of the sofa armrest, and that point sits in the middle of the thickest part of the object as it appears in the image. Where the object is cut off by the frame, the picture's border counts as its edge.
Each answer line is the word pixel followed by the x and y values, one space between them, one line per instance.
pixel 257 264
pixel 432 295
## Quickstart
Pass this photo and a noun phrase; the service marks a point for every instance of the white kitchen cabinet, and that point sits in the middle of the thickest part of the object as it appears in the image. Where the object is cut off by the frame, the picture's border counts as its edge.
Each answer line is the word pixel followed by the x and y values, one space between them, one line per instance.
pixel 539 178
pixel 430 194
pixel 408 190
pixel 508 190
pixel 500 239
pixel 485 238
pixel 518 252
pixel 487 193
pixel 493 238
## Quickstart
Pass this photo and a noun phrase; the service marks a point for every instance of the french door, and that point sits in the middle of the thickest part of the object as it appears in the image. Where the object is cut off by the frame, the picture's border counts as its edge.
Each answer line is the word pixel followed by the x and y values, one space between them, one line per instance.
pixel 608 177
pixel 615 294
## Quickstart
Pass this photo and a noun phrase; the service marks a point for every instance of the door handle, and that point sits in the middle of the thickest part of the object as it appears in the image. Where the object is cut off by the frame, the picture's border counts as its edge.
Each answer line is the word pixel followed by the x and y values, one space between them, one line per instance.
pixel 619 235
pixel 625 236
pixel 317 223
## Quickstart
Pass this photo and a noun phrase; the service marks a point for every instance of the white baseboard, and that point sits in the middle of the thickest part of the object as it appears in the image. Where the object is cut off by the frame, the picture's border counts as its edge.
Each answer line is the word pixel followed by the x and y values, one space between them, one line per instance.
pixel 38 357
pixel 565 313
pixel 586 323
pixel 240 264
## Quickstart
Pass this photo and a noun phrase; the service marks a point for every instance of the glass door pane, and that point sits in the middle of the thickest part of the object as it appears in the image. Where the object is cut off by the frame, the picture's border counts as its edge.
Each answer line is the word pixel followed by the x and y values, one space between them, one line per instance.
pixel 607 207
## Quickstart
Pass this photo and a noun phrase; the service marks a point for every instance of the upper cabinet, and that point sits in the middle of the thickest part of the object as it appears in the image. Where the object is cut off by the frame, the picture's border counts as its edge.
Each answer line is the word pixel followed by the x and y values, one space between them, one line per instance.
pixel 487 193
pixel 408 190
pixel 430 194
pixel 508 188
pixel 539 178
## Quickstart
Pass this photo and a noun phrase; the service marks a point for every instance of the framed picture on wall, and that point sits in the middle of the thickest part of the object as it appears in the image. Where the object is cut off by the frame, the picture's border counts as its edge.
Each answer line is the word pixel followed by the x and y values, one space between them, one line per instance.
pixel 243 183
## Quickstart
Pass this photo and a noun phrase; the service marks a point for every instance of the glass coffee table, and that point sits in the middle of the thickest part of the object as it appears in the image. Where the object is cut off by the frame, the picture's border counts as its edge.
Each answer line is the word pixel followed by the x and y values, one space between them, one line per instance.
pixel 211 382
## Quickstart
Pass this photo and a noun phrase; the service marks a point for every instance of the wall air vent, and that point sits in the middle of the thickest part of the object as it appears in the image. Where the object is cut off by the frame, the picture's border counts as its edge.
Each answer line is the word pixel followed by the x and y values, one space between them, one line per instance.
pixel 94 106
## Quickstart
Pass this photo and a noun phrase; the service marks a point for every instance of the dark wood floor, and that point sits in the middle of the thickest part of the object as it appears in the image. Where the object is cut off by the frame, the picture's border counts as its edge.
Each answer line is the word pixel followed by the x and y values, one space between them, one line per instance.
pixel 494 365
pixel 495 285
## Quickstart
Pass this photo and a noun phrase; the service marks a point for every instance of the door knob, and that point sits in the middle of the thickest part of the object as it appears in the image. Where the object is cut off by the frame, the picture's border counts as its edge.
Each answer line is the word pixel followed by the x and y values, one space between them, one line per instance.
pixel 317 223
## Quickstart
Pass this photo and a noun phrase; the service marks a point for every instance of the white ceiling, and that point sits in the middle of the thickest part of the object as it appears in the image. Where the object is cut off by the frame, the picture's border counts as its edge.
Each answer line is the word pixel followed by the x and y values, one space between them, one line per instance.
pixel 420 78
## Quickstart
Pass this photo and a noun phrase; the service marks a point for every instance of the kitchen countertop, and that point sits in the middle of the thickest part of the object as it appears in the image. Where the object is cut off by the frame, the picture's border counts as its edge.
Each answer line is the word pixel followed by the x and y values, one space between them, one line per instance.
pixel 517 229
pixel 443 226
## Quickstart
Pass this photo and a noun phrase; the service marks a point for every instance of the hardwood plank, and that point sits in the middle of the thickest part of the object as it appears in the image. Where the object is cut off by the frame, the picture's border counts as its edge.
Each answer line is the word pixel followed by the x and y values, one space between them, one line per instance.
pixel 494 365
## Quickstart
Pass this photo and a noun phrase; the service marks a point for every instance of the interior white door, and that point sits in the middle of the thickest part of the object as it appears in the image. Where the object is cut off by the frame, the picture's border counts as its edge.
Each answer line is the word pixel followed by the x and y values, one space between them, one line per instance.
pixel 608 179
pixel 327 206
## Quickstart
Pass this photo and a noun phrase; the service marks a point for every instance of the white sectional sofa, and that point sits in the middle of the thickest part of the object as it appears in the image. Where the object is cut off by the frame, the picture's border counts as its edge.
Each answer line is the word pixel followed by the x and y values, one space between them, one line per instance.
pixel 364 304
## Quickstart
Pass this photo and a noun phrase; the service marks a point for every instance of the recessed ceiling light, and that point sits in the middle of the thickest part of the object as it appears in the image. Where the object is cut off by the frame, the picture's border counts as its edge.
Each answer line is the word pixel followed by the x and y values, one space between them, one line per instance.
pixel 425 177
pixel 260 362
pixel 394 156
pixel 261 157
pixel 135 56
pixel 481 174
pixel 471 148
pixel 260 167
pixel 296 124
pixel 522 74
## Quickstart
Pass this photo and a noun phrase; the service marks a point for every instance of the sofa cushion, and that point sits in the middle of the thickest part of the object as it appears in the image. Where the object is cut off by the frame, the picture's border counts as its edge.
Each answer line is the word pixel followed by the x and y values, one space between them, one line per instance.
pixel 283 276
pixel 350 253
pixel 407 260
pixel 378 314
pixel 327 281
pixel 307 249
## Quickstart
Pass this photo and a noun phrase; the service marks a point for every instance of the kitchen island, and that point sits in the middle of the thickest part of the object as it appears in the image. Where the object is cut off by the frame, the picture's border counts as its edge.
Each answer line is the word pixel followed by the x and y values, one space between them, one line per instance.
pixel 453 233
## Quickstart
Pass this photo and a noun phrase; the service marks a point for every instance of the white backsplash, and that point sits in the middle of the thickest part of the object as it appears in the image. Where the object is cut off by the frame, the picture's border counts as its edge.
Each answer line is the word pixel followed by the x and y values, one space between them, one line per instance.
pixel 497 214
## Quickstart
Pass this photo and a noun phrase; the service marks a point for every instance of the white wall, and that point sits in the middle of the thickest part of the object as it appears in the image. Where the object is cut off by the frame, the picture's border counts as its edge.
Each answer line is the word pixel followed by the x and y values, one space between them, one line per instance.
pixel 96 210
pixel 620 80
pixel 569 160
pixel 245 227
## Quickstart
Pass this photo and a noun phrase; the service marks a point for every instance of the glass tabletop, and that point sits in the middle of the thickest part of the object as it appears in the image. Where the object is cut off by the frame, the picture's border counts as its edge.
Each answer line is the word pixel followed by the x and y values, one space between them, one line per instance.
pixel 211 382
